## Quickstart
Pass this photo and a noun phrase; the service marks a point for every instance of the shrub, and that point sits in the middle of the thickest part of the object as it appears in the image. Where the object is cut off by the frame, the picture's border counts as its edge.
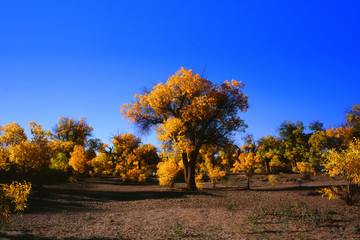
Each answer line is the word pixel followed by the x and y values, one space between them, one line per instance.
pixel 134 175
pixel 13 198
pixel 199 181
pixel 344 163
pixel 215 174
pixel 167 172
pixel 272 179
pixel 101 164
pixel 60 162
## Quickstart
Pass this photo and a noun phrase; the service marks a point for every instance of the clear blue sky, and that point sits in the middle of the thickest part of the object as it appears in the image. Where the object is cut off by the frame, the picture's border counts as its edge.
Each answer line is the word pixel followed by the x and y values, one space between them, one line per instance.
pixel 299 60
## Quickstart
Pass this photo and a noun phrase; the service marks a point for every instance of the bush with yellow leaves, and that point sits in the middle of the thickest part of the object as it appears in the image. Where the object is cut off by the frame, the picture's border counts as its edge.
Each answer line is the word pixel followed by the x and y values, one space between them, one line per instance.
pixel 102 164
pixel 199 181
pixel 215 174
pixel 247 163
pixel 344 163
pixel 272 179
pixel 13 198
pixel 167 172
pixel 133 175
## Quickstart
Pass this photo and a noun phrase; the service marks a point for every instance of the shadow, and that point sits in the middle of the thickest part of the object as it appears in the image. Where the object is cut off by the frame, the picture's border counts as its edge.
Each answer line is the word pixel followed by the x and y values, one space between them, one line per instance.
pixel 292 188
pixel 51 199
pixel 117 181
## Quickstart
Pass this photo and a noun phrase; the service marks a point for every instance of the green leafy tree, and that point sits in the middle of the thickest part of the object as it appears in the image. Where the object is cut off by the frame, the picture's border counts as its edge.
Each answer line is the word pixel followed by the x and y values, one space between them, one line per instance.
pixel 270 151
pixel 295 142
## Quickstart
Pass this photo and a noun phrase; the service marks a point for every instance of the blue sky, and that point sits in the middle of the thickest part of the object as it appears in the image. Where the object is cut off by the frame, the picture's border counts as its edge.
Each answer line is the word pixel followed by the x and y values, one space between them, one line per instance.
pixel 299 60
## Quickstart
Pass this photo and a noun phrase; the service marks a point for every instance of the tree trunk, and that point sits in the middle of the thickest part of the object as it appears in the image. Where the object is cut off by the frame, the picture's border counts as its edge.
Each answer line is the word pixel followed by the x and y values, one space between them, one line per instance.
pixel 248 181
pixel 267 165
pixel 349 193
pixel 189 170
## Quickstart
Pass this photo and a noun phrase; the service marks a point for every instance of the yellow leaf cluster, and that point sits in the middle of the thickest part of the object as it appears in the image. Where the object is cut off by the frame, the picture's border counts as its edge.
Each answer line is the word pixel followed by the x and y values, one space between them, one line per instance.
pixel 101 164
pixel 199 181
pixel 134 175
pixel 78 160
pixel 59 162
pixel 26 155
pixel 345 163
pixel 167 172
pixel 247 163
pixel 215 173
pixel 333 192
pixel 13 198
pixel 272 179
pixel 11 134
pixel 304 167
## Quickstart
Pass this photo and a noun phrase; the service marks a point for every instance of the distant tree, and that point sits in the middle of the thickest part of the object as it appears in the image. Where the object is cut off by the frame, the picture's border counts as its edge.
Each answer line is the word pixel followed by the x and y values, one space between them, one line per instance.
pixel 92 146
pixel 147 157
pixel 11 134
pixel 248 161
pixel 124 155
pixel 72 130
pixel 295 142
pixel 316 126
pixel 228 155
pixel 188 113
pixel 26 157
pixel 134 161
pixel 271 152
pixel 103 164
pixel 78 160
pixel 212 164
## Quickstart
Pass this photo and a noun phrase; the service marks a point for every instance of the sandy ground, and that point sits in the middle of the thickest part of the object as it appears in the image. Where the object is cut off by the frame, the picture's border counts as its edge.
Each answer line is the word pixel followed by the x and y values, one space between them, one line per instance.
pixel 105 208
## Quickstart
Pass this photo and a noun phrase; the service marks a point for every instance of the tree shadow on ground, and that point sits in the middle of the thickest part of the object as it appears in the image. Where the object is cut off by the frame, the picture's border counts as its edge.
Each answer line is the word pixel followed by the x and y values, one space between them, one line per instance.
pixel 53 199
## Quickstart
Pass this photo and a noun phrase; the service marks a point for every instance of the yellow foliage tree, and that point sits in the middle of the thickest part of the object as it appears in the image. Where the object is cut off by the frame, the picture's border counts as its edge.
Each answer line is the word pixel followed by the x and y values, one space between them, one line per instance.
pixel 344 163
pixel 212 165
pixel 247 163
pixel 72 130
pixel 147 157
pixel 11 134
pixel 124 147
pixel 215 174
pixel 188 112
pixel 102 164
pixel 228 156
pixel 78 160
pixel 270 151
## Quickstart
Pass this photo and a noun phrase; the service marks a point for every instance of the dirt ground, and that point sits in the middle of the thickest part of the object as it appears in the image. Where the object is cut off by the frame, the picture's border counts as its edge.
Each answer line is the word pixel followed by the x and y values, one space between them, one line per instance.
pixel 106 208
